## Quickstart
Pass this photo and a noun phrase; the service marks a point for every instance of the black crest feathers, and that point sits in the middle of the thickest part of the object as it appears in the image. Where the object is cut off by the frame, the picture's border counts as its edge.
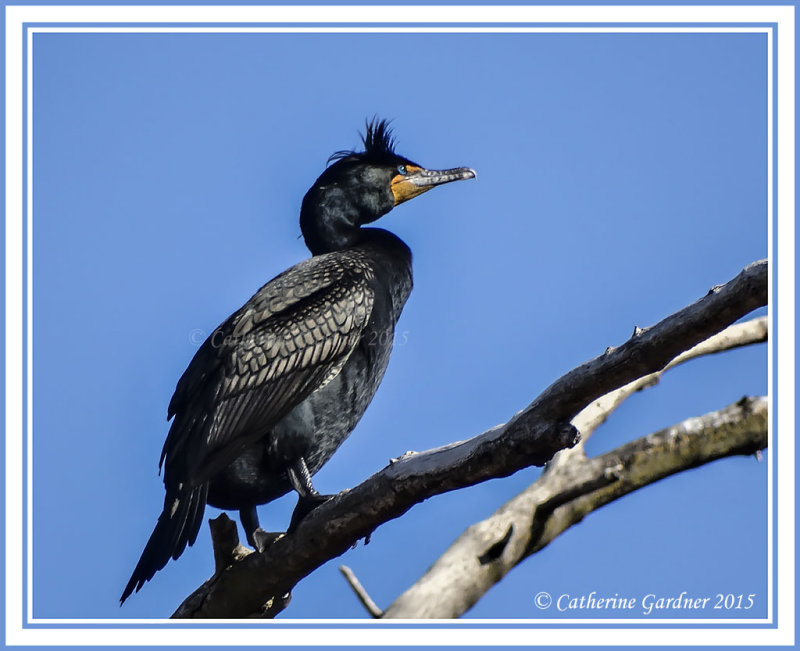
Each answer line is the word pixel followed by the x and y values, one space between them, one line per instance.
pixel 378 141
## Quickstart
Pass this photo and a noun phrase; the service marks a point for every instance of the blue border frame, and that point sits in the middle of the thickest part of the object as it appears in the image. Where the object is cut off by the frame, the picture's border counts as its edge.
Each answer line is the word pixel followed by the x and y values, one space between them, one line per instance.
pixel 515 624
pixel 411 3
pixel 773 306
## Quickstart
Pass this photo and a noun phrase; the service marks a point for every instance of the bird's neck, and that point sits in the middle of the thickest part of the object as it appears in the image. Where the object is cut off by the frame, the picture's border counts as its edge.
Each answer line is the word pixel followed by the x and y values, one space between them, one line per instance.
pixel 327 221
pixel 333 233
pixel 330 221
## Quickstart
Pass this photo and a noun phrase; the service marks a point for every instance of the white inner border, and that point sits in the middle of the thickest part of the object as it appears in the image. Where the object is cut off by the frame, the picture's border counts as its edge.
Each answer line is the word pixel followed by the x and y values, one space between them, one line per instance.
pixel 180 633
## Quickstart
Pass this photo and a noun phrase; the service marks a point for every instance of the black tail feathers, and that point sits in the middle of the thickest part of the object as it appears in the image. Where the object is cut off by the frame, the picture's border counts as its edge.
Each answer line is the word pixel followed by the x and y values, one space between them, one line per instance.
pixel 177 527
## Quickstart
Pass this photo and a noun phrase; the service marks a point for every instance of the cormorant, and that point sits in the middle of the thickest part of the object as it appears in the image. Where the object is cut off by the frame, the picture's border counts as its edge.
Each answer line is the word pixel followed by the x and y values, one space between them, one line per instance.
pixel 277 388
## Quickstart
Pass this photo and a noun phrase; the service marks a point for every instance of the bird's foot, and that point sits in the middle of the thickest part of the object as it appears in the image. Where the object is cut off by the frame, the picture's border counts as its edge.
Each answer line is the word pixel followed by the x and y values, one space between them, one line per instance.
pixel 261 539
pixel 304 506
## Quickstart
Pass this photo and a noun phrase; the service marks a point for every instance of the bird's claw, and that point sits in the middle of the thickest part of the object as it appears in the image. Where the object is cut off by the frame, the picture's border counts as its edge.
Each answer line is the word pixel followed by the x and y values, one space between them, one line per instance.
pixel 304 506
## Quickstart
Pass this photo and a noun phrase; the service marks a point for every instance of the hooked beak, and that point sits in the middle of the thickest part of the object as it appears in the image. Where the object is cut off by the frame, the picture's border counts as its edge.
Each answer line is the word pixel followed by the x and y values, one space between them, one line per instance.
pixel 418 180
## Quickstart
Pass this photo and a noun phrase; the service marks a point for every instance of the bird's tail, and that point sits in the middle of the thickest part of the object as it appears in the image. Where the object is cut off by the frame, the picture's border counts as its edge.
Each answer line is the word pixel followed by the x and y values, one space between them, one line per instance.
pixel 177 526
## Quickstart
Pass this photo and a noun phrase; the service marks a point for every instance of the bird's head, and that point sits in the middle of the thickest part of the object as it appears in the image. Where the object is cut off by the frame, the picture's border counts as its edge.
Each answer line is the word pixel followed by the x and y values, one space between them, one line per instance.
pixel 359 187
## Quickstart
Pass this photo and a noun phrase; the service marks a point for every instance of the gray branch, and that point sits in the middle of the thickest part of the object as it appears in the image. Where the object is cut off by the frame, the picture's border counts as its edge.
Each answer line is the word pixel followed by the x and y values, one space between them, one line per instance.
pixel 457 592
pixel 531 437
pixel 360 592
pixel 590 418
pixel 460 577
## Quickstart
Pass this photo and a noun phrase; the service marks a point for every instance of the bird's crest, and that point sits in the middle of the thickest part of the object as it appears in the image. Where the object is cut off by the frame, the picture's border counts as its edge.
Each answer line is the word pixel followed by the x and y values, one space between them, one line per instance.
pixel 379 138
pixel 378 142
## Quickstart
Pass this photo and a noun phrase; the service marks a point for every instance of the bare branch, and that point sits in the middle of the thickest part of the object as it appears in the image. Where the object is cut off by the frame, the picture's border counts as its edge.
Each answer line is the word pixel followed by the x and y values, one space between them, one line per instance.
pixel 591 417
pixel 531 437
pixel 458 579
pixel 225 540
pixel 536 496
pixel 651 349
pixel 361 593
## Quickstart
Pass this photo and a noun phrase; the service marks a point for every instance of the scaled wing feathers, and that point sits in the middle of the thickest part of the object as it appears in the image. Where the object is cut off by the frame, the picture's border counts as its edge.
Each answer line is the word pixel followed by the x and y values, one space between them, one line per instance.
pixel 288 340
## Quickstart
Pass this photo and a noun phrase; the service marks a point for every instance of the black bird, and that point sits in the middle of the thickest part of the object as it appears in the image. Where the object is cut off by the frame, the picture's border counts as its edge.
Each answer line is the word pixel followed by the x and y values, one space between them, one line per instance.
pixel 277 388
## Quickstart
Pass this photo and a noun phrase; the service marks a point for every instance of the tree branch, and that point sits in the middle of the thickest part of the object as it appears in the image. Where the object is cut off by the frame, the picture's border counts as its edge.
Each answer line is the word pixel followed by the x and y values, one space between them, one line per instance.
pixel 536 496
pixel 532 437
pixel 361 593
pixel 591 417
pixel 459 578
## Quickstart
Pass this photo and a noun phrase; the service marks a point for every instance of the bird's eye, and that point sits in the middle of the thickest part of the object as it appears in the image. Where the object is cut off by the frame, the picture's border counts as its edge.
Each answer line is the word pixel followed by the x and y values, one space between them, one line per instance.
pixel 402 169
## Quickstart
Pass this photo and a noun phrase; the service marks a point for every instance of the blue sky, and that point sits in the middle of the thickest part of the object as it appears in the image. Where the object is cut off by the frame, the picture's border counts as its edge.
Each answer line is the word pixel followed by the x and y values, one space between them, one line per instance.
pixel 620 176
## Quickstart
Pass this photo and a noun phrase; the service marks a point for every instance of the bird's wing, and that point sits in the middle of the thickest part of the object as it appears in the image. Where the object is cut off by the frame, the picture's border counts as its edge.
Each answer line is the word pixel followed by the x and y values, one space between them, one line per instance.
pixel 288 340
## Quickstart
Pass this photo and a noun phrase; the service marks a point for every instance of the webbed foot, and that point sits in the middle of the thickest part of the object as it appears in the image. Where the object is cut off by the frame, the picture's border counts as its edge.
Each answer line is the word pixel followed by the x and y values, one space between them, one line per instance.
pixel 306 504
